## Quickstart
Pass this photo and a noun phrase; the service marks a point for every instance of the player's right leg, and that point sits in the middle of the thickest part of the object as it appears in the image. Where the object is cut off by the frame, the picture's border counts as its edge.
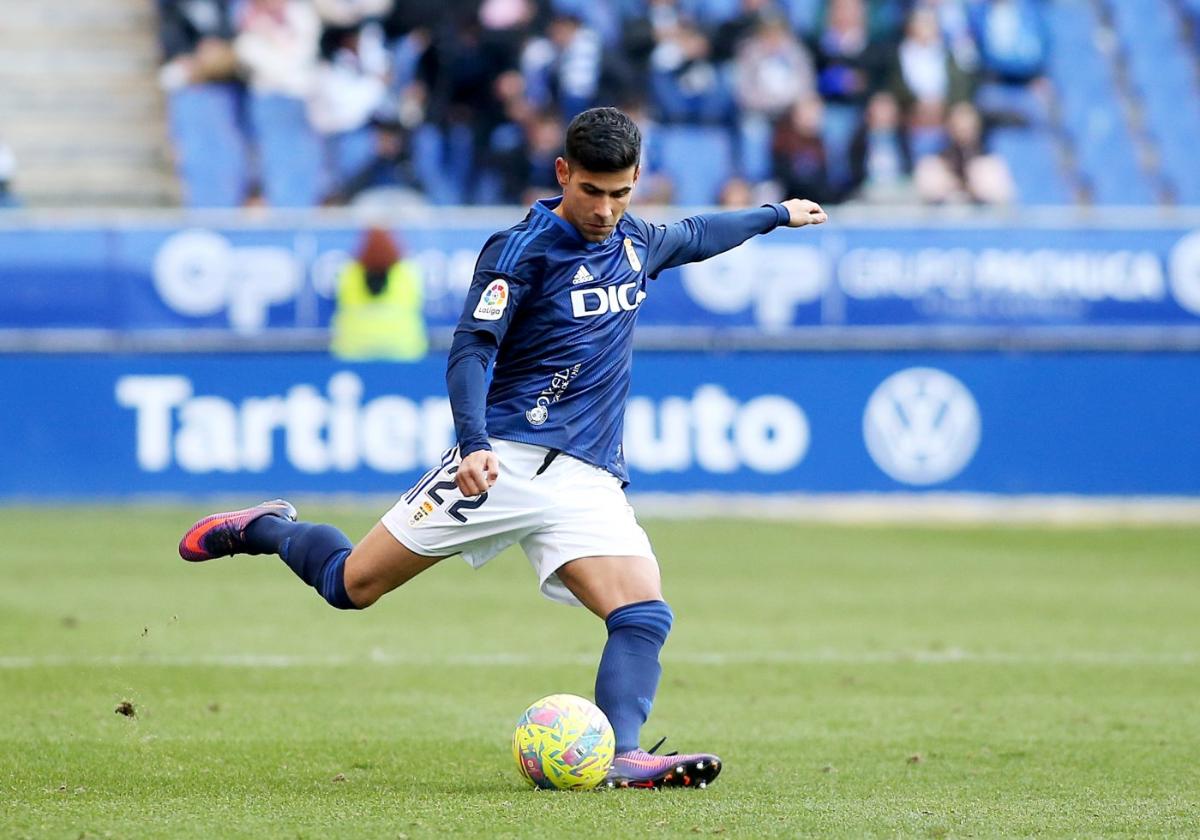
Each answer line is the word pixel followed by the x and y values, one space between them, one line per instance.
pixel 430 522
pixel 626 592
pixel 347 576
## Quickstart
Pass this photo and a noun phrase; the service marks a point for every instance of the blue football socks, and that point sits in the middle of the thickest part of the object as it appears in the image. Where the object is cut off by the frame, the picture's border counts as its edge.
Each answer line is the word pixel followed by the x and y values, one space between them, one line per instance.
pixel 316 553
pixel 629 671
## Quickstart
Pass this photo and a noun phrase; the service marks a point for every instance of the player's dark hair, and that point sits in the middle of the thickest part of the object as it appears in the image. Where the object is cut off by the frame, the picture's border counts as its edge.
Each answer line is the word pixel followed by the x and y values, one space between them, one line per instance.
pixel 603 140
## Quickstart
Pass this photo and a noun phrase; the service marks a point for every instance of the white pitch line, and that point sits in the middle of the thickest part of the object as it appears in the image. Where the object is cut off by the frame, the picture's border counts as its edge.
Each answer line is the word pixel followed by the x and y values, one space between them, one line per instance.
pixel 949 656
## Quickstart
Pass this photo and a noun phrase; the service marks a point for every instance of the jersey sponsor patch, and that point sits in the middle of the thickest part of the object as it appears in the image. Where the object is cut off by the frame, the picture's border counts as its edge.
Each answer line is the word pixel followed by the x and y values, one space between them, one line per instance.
pixel 634 262
pixel 492 301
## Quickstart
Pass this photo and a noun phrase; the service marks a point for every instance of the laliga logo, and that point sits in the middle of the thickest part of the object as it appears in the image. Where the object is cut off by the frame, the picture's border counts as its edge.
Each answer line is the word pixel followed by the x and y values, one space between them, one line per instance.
pixel 1185 272
pixel 492 301
pixel 921 426
pixel 199 273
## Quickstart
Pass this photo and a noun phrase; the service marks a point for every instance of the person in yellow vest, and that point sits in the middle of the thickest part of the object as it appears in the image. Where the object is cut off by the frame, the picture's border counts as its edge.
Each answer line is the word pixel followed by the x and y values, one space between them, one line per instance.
pixel 379 299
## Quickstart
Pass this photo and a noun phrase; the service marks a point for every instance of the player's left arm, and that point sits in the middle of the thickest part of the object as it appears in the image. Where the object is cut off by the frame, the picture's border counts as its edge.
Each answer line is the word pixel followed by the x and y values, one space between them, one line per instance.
pixel 700 237
pixel 487 312
pixel 471 355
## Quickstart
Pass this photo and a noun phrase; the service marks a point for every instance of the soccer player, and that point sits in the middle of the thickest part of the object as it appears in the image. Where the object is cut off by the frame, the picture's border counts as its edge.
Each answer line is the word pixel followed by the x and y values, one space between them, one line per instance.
pixel 539 460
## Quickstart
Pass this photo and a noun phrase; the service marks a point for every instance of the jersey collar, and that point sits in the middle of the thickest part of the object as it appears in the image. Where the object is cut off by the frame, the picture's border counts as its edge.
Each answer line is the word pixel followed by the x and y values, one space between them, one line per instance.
pixel 547 205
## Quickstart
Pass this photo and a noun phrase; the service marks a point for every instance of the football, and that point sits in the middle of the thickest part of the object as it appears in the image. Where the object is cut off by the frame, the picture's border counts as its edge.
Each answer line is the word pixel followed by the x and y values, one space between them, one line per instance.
pixel 563 742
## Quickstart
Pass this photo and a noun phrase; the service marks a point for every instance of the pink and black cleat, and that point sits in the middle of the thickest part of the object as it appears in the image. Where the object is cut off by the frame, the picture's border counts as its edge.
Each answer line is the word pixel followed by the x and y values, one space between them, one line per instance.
pixel 644 769
pixel 224 534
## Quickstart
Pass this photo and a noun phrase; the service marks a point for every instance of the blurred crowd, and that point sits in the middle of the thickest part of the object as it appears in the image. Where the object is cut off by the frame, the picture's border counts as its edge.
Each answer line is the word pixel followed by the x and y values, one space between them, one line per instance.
pixel 465 101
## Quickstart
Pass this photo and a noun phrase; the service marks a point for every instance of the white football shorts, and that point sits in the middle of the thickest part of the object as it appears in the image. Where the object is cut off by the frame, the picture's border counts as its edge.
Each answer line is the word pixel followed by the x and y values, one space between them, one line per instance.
pixel 570 510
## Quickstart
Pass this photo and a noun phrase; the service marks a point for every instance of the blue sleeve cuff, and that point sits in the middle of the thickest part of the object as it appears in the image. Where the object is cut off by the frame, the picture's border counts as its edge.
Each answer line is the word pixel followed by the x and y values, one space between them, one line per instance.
pixel 467 448
pixel 782 215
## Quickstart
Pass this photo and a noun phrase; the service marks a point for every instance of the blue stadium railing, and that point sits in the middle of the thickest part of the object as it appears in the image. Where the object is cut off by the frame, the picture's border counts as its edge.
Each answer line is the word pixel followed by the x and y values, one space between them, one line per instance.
pixel 871 279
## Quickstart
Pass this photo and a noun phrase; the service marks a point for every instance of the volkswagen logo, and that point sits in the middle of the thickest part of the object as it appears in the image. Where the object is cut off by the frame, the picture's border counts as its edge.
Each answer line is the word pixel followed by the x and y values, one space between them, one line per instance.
pixel 1185 272
pixel 921 426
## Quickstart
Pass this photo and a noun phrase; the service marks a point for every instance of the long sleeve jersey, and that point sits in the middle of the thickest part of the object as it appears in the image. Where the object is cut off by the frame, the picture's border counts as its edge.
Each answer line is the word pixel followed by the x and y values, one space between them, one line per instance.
pixel 556 313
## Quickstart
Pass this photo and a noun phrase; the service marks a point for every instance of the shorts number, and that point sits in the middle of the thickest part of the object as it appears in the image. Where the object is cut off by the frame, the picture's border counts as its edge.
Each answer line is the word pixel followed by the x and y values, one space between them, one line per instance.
pixel 466 504
pixel 462 504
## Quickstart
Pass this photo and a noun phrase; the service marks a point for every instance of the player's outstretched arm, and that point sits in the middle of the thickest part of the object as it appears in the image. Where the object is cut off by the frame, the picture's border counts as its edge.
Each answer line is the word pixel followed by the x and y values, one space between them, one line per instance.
pixel 804 212
pixel 700 237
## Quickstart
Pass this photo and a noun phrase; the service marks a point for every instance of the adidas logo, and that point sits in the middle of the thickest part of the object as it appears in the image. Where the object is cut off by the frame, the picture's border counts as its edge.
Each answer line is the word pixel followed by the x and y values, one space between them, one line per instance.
pixel 582 275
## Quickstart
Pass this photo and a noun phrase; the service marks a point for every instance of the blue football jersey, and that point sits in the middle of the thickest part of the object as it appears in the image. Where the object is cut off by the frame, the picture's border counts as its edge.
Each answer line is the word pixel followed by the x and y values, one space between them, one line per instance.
pixel 563 310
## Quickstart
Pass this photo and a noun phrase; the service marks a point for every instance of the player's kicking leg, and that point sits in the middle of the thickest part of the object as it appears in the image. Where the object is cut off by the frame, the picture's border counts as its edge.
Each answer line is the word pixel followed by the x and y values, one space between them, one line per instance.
pixel 347 576
pixel 626 593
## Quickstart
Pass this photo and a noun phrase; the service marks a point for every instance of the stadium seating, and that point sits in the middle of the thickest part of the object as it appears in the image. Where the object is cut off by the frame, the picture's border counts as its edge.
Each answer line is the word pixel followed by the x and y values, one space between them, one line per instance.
pixel 1032 158
pixel 1162 72
pixel 698 160
pixel 841 121
pixel 291 158
pixel 1117 112
pixel 443 162
pixel 210 152
pixel 350 152
pixel 753 158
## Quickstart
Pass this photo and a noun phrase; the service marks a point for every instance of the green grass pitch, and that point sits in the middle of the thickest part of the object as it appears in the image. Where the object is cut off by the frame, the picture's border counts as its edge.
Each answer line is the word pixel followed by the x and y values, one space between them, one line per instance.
pixel 857 681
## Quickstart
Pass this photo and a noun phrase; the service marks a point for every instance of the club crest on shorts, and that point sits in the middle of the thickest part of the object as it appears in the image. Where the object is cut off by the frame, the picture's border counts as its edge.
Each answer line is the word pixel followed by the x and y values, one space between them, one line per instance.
pixel 634 261
pixel 421 513
pixel 492 301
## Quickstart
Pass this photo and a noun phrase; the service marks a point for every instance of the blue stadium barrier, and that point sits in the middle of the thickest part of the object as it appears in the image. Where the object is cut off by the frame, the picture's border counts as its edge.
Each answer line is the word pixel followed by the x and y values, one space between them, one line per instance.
pixel 1043 270
pixel 263 425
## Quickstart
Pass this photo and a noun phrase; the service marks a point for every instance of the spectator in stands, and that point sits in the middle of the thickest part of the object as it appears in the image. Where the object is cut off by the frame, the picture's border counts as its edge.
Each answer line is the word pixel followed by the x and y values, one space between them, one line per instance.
pixel 563 66
pixel 349 91
pixel 687 85
pixel 8 164
pixel 849 64
pixel 880 161
pixel 379 304
pixel 963 172
pixel 771 70
pixel 955 23
pixel 461 70
pixel 522 155
pixel 576 64
pixel 351 14
pixel 925 70
pixel 729 35
pixel 927 80
pixel 196 38
pixel 204 101
pixel 1013 39
pixel 277 46
pixel 798 152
